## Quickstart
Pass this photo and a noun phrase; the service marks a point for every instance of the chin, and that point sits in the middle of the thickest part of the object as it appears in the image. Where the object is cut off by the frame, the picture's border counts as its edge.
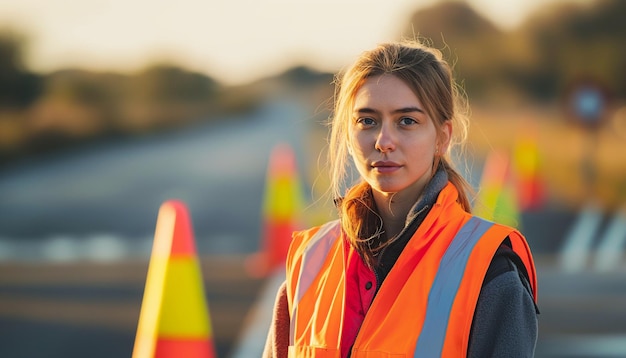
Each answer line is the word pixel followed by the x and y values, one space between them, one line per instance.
pixel 386 188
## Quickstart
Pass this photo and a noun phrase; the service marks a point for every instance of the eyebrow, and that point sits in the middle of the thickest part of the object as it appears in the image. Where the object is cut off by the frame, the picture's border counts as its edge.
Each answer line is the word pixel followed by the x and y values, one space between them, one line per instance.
pixel 399 110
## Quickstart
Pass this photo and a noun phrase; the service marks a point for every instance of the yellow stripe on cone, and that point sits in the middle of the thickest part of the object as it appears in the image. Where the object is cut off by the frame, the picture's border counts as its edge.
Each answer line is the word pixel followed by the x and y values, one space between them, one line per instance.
pixel 527 164
pixel 174 319
pixel 183 310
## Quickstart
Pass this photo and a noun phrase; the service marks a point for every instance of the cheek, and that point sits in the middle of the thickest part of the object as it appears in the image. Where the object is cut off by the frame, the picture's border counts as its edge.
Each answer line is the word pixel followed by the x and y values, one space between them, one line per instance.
pixel 360 142
pixel 421 150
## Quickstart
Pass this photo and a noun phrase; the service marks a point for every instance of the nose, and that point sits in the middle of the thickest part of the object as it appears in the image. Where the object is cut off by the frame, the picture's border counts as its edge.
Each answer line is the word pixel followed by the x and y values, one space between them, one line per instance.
pixel 385 140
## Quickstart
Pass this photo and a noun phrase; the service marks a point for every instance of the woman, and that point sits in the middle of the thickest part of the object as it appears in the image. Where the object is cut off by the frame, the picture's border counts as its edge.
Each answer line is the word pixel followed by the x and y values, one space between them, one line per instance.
pixel 406 270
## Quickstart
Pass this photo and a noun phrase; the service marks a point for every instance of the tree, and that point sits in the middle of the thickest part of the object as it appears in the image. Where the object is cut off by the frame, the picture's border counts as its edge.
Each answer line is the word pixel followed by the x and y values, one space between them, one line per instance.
pixel 170 83
pixel 18 87
pixel 576 41
pixel 464 36
pixel 554 47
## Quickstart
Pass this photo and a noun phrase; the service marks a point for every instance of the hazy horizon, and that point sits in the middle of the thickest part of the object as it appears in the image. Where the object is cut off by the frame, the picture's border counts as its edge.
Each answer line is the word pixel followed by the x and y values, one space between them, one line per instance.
pixel 234 42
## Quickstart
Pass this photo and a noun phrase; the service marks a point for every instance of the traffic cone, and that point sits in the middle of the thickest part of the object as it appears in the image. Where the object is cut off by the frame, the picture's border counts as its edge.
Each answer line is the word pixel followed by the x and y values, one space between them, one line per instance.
pixel 174 319
pixel 283 203
pixel 530 186
pixel 497 200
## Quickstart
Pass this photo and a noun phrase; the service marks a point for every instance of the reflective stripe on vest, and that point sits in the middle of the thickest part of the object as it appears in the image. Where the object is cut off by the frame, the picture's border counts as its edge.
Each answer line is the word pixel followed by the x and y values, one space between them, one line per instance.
pixel 312 262
pixel 445 286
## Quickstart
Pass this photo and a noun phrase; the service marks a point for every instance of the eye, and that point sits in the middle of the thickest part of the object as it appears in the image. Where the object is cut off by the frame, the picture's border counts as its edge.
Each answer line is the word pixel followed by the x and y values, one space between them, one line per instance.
pixel 366 121
pixel 405 121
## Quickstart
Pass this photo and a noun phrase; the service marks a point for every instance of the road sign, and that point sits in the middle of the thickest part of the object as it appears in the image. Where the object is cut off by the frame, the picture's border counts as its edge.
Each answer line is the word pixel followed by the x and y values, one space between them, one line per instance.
pixel 587 103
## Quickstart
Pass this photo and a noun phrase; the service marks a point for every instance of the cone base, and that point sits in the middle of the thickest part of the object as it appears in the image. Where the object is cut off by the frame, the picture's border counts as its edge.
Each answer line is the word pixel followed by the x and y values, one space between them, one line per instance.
pixel 188 348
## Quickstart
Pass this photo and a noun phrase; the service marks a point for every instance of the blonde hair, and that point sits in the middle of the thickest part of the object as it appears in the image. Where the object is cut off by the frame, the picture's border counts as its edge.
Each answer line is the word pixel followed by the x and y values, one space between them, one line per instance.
pixel 424 70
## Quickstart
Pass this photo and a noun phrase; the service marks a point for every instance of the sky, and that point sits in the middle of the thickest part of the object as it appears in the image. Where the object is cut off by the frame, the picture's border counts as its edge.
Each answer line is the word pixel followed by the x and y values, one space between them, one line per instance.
pixel 233 41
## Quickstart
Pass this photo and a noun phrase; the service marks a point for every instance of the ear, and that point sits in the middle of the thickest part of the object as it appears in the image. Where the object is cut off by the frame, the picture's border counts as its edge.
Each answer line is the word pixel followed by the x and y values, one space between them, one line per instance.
pixel 445 135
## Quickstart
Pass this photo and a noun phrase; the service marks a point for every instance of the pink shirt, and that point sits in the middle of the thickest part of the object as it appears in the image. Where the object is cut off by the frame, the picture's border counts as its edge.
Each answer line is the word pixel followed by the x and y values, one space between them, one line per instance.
pixel 360 289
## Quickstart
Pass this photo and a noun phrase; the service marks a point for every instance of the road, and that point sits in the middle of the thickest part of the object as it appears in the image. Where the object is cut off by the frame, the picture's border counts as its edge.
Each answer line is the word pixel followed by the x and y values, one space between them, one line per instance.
pixel 91 310
pixel 76 231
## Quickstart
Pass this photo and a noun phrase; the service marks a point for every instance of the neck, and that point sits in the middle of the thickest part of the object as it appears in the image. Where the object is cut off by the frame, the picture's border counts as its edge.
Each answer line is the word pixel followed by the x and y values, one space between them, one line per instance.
pixel 393 209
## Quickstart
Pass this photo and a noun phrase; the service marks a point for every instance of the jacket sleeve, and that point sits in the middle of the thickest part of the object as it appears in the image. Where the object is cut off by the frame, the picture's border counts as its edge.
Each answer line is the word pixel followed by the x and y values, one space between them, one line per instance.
pixel 505 320
pixel 277 343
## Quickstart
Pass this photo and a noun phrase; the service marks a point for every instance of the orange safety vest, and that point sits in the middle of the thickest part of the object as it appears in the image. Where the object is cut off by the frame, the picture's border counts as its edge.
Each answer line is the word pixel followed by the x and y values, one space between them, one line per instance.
pixel 425 306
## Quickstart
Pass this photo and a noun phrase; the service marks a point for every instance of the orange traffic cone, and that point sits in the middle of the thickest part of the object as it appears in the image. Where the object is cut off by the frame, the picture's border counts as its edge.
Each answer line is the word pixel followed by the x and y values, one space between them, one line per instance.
pixel 174 319
pixel 282 205
pixel 497 199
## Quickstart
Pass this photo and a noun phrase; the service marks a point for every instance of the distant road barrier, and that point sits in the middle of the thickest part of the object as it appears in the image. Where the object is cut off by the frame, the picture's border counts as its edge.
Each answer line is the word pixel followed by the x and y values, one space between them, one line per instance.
pixel 579 254
pixel 611 247
pixel 578 243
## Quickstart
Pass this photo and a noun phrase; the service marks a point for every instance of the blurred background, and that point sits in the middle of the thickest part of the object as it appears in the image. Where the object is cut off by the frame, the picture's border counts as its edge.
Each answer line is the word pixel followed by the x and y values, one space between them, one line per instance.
pixel 108 108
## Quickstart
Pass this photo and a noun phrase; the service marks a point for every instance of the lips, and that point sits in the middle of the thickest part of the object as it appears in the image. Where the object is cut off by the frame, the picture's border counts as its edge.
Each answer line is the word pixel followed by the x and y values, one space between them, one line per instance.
pixel 386 166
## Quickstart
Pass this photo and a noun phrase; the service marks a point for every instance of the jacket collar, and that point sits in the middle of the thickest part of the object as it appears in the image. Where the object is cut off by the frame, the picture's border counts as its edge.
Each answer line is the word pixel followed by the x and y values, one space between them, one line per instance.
pixel 428 197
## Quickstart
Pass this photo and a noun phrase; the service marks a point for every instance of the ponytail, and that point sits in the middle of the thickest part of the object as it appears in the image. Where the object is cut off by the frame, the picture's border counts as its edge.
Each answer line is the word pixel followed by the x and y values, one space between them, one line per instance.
pixel 361 223
pixel 461 185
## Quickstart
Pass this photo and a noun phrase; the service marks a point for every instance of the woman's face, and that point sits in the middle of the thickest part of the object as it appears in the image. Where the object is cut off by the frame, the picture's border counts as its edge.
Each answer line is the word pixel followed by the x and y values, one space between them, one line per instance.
pixel 392 140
